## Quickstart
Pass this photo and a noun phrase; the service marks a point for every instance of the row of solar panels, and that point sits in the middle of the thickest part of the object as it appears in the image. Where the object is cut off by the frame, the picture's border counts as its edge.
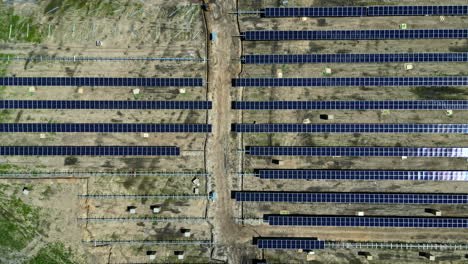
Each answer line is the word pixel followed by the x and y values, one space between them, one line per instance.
pixel 385 175
pixel 355 58
pixel 106 128
pixel 348 221
pixel 358 151
pixel 351 105
pixel 285 243
pixel 356 34
pixel 89 151
pixel 98 81
pixel 254 151
pixel 359 11
pixel 350 128
pixel 350 81
pixel 368 198
pixel 240 128
pixel 107 104
pixel 239 105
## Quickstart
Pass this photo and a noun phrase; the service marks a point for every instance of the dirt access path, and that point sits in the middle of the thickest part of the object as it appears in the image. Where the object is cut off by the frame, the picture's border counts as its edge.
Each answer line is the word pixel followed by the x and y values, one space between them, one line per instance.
pixel 221 69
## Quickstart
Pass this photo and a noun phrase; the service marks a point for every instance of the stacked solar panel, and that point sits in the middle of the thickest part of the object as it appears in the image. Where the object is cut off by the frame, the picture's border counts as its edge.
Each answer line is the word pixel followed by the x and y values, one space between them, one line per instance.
pixel 357 34
pixel 358 151
pixel 106 128
pixel 351 105
pixel 351 128
pixel 371 198
pixel 408 222
pixel 363 175
pixel 350 82
pixel 89 151
pixel 355 58
pixel 66 104
pixel 96 81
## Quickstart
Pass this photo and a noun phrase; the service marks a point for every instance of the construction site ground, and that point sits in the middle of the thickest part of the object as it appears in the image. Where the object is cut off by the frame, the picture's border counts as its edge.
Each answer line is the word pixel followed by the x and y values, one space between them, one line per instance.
pixel 44 226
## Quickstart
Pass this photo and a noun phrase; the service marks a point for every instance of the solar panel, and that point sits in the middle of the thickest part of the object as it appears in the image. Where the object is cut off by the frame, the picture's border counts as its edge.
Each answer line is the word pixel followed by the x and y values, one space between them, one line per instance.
pixel 351 128
pixel 285 243
pixel 106 128
pixel 345 11
pixel 385 175
pixel 372 198
pixel 409 222
pixel 351 105
pixel 359 151
pixel 97 81
pixel 356 58
pixel 417 10
pixel 65 104
pixel 351 11
pixel 353 81
pixel 357 34
pixel 89 151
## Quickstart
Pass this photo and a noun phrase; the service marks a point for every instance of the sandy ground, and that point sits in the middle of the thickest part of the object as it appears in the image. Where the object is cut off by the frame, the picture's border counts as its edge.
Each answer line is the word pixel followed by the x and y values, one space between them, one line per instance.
pixel 154 34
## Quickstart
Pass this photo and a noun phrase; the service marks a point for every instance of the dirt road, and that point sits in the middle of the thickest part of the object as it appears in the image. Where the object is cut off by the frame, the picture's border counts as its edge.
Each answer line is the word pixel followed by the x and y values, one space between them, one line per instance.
pixel 221 70
pixel 227 234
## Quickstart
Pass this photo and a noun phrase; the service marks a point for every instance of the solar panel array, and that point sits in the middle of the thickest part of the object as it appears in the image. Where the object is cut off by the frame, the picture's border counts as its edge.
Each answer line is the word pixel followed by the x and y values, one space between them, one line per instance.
pixel 66 104
pixel 359 151
pixel 414 222
pixel 417 10
pixel 351 105
pixel 97 81
pixel 345 11
pixel 357 34
pixel 106 128
pixel 352 11
pixel 372 198
pixel 373 175
pixel 353 81
pixel 89 151
pixel 351 128
pixel 355 58
pixel 284 243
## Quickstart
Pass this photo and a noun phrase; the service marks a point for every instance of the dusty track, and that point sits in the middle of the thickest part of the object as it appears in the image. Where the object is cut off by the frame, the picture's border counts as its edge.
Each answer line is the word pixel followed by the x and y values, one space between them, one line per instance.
pixel 221 70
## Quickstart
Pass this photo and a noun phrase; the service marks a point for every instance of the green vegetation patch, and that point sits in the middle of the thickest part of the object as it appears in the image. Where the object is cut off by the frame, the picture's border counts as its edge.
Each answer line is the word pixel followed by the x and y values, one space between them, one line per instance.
pixel 19 222
pixel 55 253
pixel 19 27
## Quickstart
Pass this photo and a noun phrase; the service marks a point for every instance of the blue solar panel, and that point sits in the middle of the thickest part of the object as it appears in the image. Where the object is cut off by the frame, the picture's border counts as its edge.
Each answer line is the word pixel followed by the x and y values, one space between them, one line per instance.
pixel 353 81
pixel 351 128
pixel 89 151
pixel 345 11
pixel 409 222
pixel 65 104
pixel 350 105
pixel 417 10
pixel 357 34
pixel 285 243
pixel 358 151
pixel 373 198
pixel 385 175
pixel 355 58
pixel 106 128
pixel 97 81
pixel 351 11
